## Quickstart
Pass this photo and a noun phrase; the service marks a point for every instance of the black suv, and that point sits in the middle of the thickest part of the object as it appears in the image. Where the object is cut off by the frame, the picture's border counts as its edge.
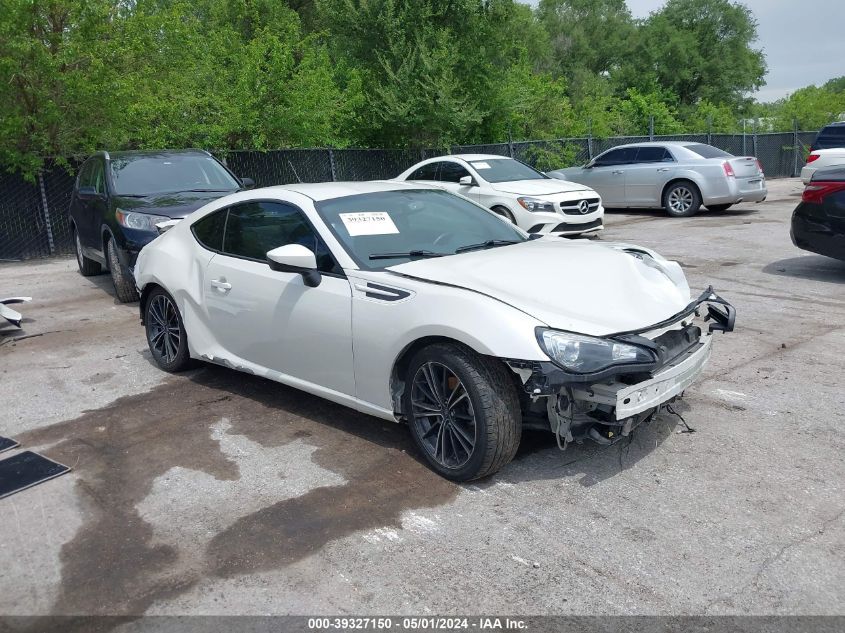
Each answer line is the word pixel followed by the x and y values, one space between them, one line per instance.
pixel 119 198
pixel 830 136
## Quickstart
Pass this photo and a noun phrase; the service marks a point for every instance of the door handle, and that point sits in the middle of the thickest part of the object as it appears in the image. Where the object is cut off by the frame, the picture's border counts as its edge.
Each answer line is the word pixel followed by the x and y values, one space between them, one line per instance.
pixel 663 169
pixel 617 172
pixel 221 284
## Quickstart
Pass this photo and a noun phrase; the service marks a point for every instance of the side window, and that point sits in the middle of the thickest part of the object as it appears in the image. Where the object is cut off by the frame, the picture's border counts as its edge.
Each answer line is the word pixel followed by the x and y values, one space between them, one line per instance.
pixel 621 156
pixel 426 172
pixel 254 228
pixel 452 172
pixel 85 173
pixel 98 177
pixel 653 155
pixel 209 230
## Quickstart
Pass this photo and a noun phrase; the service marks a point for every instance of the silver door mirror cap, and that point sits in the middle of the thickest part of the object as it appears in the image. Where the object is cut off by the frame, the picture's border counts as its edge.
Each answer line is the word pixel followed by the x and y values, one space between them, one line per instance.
pixel 468 181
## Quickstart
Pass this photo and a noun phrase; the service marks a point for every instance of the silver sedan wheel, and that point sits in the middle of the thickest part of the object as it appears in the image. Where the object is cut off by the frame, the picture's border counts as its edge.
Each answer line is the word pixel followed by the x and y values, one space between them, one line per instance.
pixel 681 200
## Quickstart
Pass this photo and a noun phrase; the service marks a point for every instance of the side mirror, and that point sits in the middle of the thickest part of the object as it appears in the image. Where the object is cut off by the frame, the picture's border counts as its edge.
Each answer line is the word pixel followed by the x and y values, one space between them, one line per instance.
pixel 295 258
pixel 87 192
pixel 247 183
pixel 468 181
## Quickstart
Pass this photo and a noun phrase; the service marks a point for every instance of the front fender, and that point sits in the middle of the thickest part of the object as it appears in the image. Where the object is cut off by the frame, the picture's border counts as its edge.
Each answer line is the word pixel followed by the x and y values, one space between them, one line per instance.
pixel 383 329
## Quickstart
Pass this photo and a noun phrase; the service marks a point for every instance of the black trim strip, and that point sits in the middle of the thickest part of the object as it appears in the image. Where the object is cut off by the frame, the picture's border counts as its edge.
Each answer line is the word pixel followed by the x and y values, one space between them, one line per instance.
pixel 398 294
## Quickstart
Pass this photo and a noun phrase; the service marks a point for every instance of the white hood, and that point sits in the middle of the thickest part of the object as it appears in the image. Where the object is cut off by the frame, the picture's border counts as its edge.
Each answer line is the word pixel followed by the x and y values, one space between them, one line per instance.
pixel 577 286
pixel 538 187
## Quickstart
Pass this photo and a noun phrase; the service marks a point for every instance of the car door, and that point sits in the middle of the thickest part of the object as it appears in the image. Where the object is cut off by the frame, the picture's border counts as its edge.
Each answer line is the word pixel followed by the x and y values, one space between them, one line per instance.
pixel 653 166
pixel 607 175
pixel 88 209
pixel 272 318
pixel 79 204
pixel 449 176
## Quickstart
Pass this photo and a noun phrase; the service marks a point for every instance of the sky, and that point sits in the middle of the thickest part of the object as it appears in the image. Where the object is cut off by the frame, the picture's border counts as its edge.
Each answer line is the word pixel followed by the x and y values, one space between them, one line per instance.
pixel 803 40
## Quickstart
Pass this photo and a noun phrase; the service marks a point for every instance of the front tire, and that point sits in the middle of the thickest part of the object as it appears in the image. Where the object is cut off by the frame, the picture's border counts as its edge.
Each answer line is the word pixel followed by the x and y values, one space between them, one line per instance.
pixel 682 199
pixel 166 334
pixel 124 285
pixel 87 267
pixel 463 412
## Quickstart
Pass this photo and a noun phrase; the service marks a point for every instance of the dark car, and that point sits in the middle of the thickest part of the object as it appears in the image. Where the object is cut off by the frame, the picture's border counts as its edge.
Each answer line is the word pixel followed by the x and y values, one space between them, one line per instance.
pixel 830 136
pixel 119 197
pixel 818 223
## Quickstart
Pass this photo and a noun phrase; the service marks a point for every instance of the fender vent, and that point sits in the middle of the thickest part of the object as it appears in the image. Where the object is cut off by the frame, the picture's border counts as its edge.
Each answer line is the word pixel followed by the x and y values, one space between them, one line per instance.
pixel 385 293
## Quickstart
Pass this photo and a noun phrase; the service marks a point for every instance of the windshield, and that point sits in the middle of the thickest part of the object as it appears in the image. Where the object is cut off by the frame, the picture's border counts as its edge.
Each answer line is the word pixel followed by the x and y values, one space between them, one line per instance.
pixel 394 227
pixel 707 151
pixel 505 170
pixel 152 174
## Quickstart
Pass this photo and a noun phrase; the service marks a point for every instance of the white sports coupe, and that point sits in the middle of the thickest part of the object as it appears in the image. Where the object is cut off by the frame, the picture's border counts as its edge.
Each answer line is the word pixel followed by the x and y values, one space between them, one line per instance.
pixel 528 198
pixel 416 305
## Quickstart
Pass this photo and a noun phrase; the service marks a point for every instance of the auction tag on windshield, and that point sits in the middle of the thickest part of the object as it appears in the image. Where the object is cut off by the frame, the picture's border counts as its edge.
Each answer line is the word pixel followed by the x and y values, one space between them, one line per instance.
pixel 368 223
pixel 481 165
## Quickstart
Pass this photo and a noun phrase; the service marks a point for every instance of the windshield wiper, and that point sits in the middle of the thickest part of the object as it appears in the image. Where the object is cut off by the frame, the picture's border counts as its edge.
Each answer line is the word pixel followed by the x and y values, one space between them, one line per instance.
pixel 412 254
pixel 487 244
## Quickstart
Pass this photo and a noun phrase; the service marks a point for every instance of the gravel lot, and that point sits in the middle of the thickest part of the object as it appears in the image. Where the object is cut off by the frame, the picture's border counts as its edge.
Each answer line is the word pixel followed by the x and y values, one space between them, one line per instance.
pixel 215 492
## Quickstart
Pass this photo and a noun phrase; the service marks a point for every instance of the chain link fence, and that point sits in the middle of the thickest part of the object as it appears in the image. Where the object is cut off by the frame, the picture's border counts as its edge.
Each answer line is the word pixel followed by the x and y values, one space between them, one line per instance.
pixel 34 218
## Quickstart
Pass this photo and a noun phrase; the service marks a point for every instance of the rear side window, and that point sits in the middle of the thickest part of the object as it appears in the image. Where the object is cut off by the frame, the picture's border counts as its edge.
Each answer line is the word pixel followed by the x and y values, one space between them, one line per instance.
pixel 98 176
pixel 209 230
pixel 426 172
pixel 621 156
pixel 254 228
pixel 85 174
pixel 452 172
pixel 653 155
pixel 707 151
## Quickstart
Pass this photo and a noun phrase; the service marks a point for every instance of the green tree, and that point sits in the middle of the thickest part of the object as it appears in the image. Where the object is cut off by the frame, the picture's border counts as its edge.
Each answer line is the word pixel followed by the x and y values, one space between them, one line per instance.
pixel 49 53
pixel 698 50
pixel 588 38
pixel 812 107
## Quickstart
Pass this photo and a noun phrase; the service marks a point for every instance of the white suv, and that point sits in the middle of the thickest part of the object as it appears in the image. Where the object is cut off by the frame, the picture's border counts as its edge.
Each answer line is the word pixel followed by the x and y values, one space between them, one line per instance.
pixel 523 195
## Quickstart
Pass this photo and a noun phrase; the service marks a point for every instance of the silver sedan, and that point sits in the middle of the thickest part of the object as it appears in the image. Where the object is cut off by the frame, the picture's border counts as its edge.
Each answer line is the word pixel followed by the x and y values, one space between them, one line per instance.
pixel 679 177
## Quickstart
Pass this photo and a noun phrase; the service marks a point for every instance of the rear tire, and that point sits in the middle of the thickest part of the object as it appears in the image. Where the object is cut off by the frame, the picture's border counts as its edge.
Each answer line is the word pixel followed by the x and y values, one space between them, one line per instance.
pixel 463 411
pixel 718 207
pixel 124 285
pixel 87 267
pixel 682 199
pixel 166 335
pixel 505 213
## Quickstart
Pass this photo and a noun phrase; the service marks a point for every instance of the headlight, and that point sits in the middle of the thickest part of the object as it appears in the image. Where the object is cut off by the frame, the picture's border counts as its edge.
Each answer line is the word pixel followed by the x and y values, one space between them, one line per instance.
pixel 140 221
pixel 534 205
pixel 586 354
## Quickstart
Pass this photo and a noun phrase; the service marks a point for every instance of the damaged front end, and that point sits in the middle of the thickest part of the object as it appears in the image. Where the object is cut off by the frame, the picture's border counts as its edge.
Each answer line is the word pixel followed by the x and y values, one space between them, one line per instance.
pixel 601 388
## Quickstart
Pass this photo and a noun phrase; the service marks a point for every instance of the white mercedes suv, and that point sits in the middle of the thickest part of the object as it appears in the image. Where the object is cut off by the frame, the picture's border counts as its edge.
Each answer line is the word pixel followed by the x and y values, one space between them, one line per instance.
pixel 533 201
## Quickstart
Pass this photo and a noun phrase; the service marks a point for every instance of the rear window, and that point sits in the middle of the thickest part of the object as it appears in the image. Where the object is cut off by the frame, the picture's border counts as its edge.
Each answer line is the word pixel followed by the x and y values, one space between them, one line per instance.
pixel 707 151
pixel 830 136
